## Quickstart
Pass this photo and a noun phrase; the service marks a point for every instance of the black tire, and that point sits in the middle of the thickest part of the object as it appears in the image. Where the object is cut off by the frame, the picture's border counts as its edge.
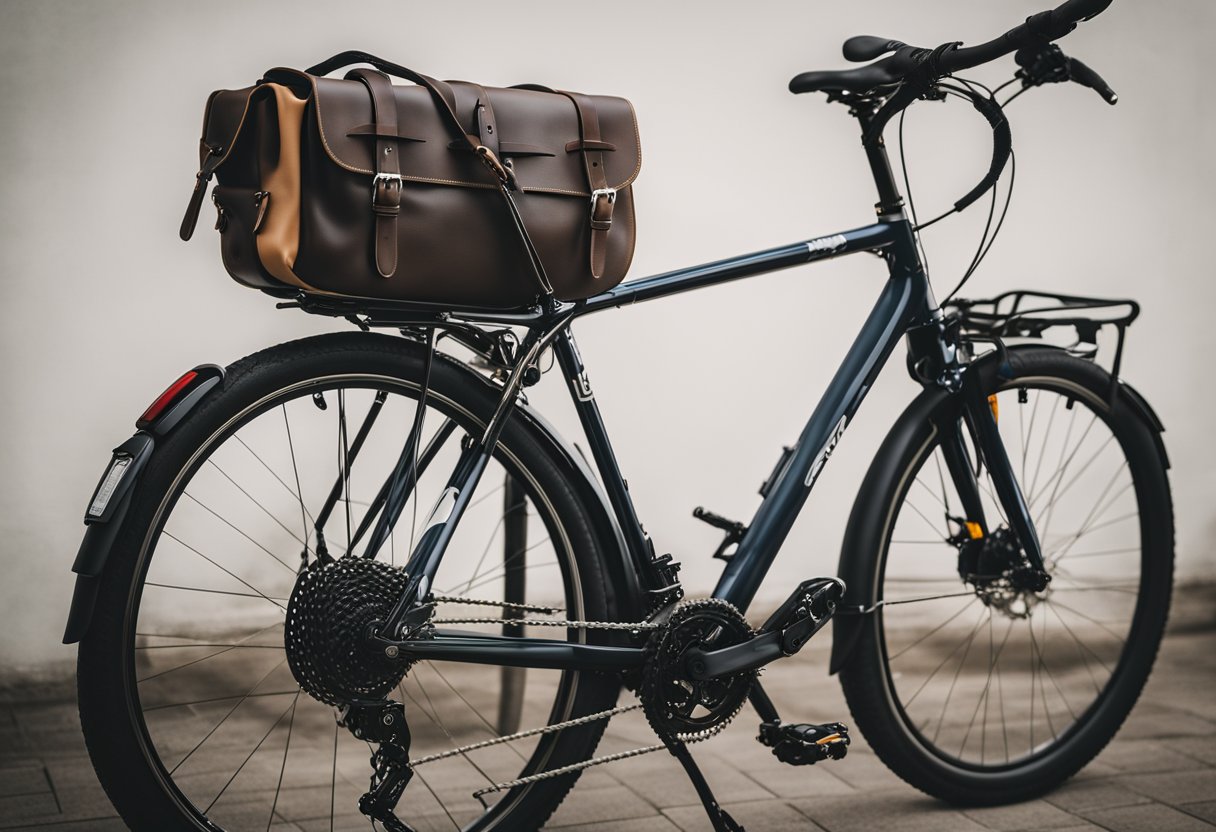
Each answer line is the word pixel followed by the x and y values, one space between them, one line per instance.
pixel 881 699
pixel 128 763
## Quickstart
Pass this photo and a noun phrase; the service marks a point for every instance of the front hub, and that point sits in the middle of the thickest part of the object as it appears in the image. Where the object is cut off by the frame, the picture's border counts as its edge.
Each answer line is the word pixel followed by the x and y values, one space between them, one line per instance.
pixel 1002 575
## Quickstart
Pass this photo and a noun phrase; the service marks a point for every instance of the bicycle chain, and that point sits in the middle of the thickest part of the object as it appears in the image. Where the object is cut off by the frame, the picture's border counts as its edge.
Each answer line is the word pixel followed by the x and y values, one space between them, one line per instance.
pixel 637 626
pixel 643 626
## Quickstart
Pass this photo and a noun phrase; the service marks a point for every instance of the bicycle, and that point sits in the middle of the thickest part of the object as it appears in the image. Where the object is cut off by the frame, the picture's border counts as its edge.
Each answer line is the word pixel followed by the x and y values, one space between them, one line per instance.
pixel 251 485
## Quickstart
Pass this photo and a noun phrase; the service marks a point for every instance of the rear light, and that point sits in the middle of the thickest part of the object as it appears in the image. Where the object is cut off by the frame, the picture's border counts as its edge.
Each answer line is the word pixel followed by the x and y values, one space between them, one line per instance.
pixel 165 399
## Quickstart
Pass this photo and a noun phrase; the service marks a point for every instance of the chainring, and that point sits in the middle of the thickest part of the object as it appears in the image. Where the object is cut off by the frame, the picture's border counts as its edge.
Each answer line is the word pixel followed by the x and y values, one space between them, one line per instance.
pixel 677 706
pixel 329 614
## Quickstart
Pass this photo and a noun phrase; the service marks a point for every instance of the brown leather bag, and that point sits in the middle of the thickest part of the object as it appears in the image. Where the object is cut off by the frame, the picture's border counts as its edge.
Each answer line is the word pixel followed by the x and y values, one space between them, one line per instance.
pixel 360 188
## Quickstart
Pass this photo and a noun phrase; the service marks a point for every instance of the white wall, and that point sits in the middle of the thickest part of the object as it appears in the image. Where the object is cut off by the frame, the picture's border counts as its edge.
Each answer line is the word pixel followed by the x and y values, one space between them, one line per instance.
pixel 102 305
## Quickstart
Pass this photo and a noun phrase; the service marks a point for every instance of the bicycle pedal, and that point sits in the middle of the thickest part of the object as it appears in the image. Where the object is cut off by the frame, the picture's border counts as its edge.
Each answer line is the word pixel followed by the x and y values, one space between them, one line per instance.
pixel 805 744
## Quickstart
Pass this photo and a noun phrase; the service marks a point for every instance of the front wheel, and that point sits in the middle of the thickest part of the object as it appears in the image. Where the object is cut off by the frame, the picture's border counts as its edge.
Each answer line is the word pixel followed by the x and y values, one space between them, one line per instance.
pixel 971 689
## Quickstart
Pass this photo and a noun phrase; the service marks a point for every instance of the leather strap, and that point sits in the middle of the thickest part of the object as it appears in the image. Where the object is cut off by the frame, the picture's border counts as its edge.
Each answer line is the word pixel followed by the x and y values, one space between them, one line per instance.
pixel 441 92
pixel 387 185
pixel 592 146
pixel 205 172
pixel 487 129
pixel 603 198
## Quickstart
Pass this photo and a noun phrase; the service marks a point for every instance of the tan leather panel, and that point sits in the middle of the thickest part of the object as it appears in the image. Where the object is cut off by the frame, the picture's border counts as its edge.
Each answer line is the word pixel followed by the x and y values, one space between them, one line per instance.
pixel 279 237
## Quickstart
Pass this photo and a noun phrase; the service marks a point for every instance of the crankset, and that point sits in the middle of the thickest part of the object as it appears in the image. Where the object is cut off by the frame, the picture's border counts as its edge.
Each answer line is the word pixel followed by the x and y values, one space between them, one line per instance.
pixel 701 668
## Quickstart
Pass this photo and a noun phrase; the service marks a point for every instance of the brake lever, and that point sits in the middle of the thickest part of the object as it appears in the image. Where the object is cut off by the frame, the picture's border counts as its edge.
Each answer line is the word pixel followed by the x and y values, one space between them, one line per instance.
pixel 1086 77
pixel 1048 64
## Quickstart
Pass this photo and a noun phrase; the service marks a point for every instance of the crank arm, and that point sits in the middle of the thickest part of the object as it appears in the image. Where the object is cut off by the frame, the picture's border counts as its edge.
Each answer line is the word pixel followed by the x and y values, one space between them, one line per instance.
pixel 787 631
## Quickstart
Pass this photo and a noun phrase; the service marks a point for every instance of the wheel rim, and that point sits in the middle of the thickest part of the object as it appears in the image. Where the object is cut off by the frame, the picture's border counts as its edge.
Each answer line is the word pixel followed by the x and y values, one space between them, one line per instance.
pixel 286 759
pixel 984 684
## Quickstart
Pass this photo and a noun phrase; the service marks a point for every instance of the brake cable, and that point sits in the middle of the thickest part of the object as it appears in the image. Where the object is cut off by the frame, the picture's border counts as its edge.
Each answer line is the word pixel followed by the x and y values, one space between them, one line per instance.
pixel 1003 154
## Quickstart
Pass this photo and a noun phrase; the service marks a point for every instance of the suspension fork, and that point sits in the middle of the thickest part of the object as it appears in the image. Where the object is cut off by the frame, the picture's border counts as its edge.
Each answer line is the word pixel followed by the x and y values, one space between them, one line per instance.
pixel 441 524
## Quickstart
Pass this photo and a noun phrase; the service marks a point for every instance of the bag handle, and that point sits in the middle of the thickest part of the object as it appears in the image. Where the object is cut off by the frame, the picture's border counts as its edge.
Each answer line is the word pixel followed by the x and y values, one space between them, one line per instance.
pixel 440 91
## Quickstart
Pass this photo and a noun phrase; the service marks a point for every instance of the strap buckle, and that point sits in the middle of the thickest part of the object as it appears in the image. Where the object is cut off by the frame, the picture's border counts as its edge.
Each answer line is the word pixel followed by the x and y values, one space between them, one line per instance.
pixel 386 199
pixel 603 200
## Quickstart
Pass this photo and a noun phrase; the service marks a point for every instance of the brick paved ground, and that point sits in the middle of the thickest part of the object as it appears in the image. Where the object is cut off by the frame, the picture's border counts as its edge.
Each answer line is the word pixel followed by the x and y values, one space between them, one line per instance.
pixel 1159 774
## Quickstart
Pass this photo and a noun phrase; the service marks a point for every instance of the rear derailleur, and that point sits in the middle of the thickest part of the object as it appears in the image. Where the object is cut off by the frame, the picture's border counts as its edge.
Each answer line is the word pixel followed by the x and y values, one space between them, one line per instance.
pixel 382 722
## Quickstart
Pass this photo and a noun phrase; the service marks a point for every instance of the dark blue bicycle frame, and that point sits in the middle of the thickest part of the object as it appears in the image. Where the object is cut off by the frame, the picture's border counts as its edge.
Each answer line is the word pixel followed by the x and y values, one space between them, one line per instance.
pixel 905 304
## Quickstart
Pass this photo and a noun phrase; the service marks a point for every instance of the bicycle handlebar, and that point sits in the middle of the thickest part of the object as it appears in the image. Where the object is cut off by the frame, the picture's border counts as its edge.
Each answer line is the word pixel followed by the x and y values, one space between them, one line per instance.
pixel 1044 26
pixel 1040 28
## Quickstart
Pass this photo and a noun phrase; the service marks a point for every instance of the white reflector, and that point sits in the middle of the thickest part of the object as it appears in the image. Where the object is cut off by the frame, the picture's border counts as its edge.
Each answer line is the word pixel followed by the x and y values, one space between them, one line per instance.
pixel 114 474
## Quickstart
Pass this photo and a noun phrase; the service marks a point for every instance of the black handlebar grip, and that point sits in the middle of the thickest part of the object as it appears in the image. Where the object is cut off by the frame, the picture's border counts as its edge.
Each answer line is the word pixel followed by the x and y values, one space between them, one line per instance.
pixel 1078 10
pixel 1002 147
pixel 863 48
pixel 1086 77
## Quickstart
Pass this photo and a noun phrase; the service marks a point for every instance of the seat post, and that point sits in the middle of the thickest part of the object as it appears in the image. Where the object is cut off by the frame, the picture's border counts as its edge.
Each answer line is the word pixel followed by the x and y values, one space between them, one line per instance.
pixel 890 202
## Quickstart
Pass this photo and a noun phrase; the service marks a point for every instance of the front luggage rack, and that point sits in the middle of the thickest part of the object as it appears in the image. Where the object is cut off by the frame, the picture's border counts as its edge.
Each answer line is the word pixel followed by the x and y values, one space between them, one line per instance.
pixel 1024 313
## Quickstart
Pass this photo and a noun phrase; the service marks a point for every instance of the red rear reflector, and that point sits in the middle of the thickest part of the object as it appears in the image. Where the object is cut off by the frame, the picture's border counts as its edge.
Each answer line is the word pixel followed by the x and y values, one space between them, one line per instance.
pixel 166 398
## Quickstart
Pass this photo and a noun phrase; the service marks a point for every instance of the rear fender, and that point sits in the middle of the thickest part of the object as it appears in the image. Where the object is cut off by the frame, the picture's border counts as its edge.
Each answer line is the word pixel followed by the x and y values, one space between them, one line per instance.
pixel 111 498
pixel 624 588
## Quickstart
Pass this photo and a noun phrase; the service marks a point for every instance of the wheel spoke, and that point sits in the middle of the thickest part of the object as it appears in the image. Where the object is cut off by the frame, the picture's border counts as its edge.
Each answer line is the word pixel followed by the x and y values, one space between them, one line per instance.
pixel 954 682
pixel 295 468
pixel 214 591
pixel 204 658
pixel 929 634
pixel 433 715
pixel 291 724
pixel 290 708
pixel 295 495
pixel 225 571
pixel 224 719
pixel 239 531
pixel 257 503
pixel 965 642
pixel 481 717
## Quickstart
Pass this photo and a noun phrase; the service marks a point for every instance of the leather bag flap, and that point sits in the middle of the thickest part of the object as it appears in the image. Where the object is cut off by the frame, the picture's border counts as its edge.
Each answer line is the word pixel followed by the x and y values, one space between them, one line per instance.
pixel 534 129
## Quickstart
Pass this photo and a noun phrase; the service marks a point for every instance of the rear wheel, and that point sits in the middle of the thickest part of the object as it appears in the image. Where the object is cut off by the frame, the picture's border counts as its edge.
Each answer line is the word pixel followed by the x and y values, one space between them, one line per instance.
pixel 979 693
pixel 192 714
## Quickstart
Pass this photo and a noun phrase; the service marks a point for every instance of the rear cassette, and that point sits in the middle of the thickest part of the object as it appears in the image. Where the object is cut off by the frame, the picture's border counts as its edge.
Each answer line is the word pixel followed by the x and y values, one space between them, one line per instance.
pixel 331 610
